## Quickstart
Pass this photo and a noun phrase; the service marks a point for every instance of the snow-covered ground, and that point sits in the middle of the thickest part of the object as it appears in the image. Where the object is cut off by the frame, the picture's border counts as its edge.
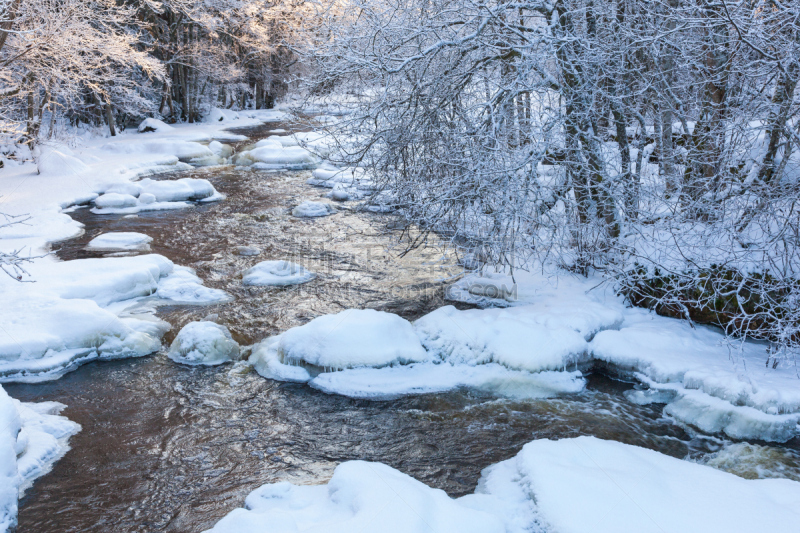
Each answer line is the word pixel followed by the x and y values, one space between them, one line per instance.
pixel 542 333
pixel 32 437
pixel 566 486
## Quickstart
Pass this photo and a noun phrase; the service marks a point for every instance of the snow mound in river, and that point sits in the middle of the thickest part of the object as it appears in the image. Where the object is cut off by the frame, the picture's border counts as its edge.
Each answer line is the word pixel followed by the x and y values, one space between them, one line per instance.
pixel 277 274
pixel 32 438
pixel 313 209
pixel 203 343
pixel 121 241
pixel 570 486
pixel 352 338
pixel 153 195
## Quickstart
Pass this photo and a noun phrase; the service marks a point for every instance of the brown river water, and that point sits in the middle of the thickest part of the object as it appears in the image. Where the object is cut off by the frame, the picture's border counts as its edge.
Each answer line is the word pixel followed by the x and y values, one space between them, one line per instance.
pixel 165 447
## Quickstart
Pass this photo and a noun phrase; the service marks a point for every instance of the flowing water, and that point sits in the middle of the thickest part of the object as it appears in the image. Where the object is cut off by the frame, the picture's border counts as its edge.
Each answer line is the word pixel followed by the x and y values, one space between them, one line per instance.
pixel 166 447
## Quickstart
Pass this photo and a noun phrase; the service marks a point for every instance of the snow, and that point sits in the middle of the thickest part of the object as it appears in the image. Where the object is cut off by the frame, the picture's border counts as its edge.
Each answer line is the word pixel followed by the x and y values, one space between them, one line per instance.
pixel 116 200
pixel 548 336
pixel 277 274
pixel 714 387
pixel 120 241
pixel 588 484
pixel 153 124
pixel 75 312
pixel 32 438
pixel 79 311
pixel 154 195
pixel 248 251
pixel 313 209
pixel 270 156
pixel 182 285
pixel 546 331
pixel 361 496
pixel 352 338
pixel 59 160
pixel 565 486
pixel 203 343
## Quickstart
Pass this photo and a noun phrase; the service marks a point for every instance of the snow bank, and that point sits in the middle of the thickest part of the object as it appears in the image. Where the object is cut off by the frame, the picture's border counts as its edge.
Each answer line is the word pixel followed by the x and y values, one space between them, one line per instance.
pixel 588 484
pixel 75 313
pixel 277 274
pixel 352 338
pixel 183 150
pixel 221 115
pixel 58 161
pixel 361 496
pixel 153 124
pixel 120 241
pixel 569 486
pixel 713 387
pixel 313 209
pixel 32 438
pixel 203 343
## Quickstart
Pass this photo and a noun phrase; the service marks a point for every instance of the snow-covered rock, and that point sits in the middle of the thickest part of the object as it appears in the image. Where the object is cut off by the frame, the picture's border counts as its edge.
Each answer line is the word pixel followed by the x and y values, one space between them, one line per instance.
pixel 154 195
pixel 121 241
pixel 115 200
pixel 220 115
pixel 566 486
pixel 32 438
pixel 277 273
pixel 220 149
pixel 177 190
pixel 352 338
pixel 270 156
pixel 183 286
pixel 203 343
pixel 532 338
pixel 313 209
pixel 153 124
pixel 248 251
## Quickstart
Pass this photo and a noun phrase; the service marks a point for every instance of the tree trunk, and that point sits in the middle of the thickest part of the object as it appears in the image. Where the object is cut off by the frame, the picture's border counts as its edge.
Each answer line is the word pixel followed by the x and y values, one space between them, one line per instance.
pixel 110 119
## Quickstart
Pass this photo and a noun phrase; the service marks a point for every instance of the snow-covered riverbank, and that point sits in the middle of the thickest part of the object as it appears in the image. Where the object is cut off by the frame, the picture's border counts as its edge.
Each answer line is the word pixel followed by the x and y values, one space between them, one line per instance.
pixel 63 314
pixel 536 338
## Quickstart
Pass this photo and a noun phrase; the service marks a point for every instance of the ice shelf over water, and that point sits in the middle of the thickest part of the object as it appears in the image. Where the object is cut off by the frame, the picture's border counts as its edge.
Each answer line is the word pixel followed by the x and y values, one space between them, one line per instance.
pixel 32 437
pixel 277 274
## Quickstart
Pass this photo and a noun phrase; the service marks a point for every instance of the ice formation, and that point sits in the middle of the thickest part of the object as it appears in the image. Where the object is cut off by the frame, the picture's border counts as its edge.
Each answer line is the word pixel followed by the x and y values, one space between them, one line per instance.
pixel 277 274
pixel 120 241
pixel 203 343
